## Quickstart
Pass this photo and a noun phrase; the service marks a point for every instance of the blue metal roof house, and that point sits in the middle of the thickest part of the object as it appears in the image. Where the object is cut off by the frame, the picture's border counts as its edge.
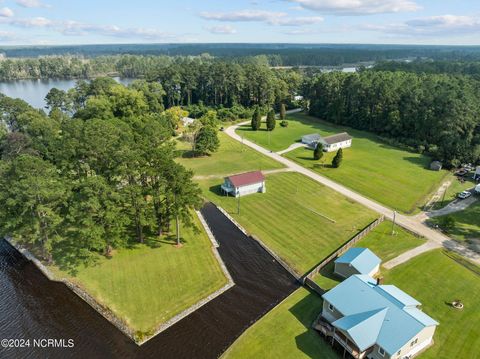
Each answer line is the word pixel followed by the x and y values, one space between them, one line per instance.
pixel 375 321
pixel 357 261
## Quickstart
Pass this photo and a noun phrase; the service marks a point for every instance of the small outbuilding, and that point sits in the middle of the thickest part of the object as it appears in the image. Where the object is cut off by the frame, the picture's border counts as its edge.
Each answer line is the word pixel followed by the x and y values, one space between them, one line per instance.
pixel 311 140
pixel 436 166
pixel 244 183
pixel 187 121
pixel 477 189
pixel 357 261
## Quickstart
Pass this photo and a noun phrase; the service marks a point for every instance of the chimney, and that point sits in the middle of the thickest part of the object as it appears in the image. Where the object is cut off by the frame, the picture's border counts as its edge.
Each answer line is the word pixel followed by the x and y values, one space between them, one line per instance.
pixel 380 280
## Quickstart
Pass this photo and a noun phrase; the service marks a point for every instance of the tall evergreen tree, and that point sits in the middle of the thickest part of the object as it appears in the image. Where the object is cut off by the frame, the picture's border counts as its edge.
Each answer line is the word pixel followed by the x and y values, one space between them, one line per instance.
pixel 256 119
pixel 283 112
pixel 271 122
pixel 318 152
pixel 337 160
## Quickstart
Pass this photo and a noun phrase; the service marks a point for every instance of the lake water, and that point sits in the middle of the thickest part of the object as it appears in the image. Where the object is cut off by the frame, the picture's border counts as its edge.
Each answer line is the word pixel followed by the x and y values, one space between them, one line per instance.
pixel 34 91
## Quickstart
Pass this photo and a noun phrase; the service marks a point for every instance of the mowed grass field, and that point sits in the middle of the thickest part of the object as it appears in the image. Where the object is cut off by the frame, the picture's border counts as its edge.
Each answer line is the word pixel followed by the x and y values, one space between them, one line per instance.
pixel 467 223
pixel 435 279
pixel 381 241
pixel 294 217
pixel 396 178
pixel 232 157
pixel 285 332
pixel 150 283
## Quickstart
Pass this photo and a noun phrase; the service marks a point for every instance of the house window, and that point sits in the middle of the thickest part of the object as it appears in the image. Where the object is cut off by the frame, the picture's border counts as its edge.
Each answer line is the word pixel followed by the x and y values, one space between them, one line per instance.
pixel 331 307
pixel 381 351
pixel 414 342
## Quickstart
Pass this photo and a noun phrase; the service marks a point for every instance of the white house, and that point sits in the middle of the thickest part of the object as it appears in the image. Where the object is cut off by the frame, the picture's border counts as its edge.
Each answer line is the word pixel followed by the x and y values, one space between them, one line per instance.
pixel 357 261
pixel 335 142
pixel 477 188
pixel 245 183
pixel 374 321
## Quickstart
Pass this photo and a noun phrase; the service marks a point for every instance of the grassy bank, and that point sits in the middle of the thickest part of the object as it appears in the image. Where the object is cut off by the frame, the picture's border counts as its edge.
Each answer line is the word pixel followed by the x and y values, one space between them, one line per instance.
pixel 147 284
pixel 285 332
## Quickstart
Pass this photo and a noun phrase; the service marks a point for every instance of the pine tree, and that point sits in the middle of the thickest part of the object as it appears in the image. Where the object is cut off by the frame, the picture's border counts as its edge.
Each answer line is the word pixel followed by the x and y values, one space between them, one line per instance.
pixel 337 160
pixel 256 119
pixel 283 112
pixel 318 152
pixel 271 122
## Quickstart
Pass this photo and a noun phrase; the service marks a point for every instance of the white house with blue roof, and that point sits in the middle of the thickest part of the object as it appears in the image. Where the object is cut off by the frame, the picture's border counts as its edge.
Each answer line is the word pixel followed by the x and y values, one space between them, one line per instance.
pixel 375 321
pixel 357 261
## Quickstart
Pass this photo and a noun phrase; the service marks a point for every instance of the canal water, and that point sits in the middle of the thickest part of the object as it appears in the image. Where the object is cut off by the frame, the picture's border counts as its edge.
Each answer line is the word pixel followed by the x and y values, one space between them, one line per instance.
pixel 32 307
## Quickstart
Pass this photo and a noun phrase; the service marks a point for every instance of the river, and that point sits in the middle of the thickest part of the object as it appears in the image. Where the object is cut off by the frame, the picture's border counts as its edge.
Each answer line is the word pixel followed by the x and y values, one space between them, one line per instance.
pixel 32 307
pixel 34 91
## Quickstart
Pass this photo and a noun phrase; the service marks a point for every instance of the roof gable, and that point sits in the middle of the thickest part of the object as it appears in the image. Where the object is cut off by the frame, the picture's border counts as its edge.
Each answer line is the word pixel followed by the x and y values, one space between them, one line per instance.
pixel 339 137
pixel 245 179
pixel 362 259
pixel 364 327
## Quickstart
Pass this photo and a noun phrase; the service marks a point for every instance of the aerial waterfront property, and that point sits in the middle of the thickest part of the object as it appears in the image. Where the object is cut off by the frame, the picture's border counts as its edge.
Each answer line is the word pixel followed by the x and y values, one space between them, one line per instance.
pixel 246 179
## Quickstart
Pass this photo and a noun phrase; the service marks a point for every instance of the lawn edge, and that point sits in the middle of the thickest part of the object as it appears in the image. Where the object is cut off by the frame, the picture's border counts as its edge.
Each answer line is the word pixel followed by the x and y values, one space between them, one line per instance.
pixel 108 313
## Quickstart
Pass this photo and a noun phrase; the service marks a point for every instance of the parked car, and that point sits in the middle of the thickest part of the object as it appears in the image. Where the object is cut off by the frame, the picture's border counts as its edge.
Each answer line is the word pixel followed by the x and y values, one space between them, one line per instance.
pixel 464 194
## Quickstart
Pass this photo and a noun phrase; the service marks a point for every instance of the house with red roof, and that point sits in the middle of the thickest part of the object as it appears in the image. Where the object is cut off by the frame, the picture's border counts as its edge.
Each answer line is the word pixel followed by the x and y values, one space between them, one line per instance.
pixel 244 183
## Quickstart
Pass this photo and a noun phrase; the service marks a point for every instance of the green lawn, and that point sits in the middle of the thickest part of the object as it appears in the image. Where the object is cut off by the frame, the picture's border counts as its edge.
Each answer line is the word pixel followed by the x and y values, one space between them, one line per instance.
pixel 435 279
pixel 150 283
pixel 382 243
pixel 232 157
pixel 285 332
pixel 394 177
pixel 290 220
pixel 467 223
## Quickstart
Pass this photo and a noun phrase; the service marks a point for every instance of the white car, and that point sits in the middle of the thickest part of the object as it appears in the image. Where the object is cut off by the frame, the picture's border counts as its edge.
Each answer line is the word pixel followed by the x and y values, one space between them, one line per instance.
pixel 464 194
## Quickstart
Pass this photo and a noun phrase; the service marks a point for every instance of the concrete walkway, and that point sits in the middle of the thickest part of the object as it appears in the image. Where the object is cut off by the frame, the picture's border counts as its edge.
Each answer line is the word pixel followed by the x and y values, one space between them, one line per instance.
pixel 411 223
pixel 291 148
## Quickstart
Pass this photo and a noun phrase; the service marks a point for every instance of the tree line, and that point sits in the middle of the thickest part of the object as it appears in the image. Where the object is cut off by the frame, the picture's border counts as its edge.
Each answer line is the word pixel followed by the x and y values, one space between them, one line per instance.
pixel 438 114
pixel 95 175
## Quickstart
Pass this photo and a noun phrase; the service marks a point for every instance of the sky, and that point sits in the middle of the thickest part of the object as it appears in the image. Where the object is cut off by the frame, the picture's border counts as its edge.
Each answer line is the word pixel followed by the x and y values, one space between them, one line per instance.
pixel 58 22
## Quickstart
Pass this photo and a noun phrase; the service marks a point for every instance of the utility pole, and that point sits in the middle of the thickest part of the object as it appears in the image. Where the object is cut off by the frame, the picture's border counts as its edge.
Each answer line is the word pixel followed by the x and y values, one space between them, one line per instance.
pixel 268 138
pixel 177 223
pixel 238 203
pixel 393 222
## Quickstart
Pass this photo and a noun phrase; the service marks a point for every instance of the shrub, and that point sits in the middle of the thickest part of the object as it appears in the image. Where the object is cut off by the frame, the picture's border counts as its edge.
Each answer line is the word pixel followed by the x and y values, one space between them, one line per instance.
pixel 284 123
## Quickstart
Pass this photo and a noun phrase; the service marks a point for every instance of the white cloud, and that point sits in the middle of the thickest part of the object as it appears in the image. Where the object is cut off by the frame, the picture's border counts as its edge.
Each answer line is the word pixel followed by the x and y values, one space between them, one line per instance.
pixel 6 12
pixel 358 7
pixel 221 30
pixel 7 36
pixel 31 3
pixel 443 25
pixel 75 28
pixel 272 18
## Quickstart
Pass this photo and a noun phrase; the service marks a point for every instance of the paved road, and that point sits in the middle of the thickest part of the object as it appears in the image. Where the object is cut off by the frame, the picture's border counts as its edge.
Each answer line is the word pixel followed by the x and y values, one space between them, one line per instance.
pixel 411 223
pixel 454 206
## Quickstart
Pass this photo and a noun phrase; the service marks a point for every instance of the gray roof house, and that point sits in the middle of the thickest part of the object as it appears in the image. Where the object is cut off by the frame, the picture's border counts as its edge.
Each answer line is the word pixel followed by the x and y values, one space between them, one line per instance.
pixel 311 140
pixel 335 142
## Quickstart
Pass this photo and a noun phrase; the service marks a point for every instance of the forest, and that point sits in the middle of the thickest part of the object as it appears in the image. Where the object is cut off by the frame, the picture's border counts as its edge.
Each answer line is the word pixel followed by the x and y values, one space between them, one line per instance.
pixel 438 114
pixel 96 176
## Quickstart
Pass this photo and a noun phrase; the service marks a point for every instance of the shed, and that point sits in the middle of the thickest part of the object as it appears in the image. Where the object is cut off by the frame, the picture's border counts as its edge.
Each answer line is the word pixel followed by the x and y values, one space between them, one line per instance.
pixel 357 261
pixel 477 173
pixel 187 121
pixel 244 183
pixel 436 166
